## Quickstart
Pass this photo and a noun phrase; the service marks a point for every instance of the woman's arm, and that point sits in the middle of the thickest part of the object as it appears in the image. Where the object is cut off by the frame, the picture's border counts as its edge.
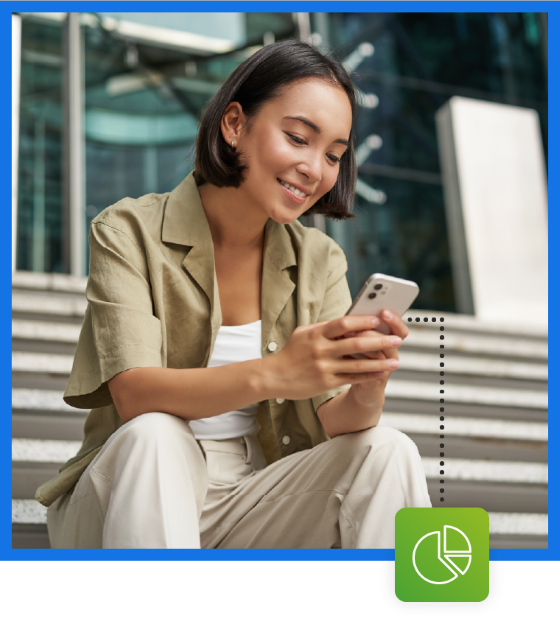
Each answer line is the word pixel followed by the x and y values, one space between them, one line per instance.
pixel 343 414
pixel 191 393
pixel 312 362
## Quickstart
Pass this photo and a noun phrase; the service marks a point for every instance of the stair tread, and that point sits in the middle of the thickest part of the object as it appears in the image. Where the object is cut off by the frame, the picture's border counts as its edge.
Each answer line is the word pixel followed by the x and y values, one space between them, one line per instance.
pixel 465 426
pixel 48 331
pixel 471 394
pixel 41 399
pixel 29 511
pixel 486 470
pixel 475 343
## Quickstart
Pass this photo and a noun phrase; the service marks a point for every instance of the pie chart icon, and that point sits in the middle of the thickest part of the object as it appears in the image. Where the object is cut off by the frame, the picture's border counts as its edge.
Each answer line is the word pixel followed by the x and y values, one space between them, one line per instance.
pixel 440 557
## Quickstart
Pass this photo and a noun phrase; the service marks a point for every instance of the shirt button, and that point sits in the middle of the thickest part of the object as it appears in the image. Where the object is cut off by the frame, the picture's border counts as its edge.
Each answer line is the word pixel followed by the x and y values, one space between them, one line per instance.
pixel 272 346
pixel 279 400
pixel 286 440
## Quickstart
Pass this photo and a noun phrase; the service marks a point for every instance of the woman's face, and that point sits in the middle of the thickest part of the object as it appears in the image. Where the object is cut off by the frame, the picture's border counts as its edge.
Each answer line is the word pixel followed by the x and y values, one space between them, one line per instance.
pixel 293 148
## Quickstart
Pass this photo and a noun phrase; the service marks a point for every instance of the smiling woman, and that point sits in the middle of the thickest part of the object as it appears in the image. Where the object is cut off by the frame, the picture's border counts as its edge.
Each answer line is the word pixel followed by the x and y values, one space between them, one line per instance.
pixel 310 104
pixel 302 153
pixel 215 350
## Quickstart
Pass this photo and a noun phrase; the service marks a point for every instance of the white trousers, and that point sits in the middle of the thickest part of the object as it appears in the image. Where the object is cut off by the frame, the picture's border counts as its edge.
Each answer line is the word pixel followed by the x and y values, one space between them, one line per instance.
pixel 153 485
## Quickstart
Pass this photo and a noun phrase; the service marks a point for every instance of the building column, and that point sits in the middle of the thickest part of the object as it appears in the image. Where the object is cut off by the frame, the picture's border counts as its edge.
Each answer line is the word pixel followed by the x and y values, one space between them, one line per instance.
pixel 16 70
pixel 74 147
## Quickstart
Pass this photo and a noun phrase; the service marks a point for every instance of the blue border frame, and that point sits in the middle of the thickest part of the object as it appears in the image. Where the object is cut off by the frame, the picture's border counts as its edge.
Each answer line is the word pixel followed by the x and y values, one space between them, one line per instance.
pixel 6 8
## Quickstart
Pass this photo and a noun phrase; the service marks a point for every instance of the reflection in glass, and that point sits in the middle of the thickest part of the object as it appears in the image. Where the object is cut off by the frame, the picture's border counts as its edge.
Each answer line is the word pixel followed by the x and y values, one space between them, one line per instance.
pixel 418 62
pixel 144 97
pixel 40 199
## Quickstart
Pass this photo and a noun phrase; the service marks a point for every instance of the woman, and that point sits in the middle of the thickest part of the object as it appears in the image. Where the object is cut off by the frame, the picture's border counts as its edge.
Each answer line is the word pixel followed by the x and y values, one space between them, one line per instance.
pixel 214 352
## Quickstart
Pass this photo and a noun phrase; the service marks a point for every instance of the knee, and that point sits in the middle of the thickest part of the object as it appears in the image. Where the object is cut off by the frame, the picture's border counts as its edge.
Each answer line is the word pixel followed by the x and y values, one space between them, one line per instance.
pixel 155 428
pixel 395 438
pixel 384 438
pixel 150 441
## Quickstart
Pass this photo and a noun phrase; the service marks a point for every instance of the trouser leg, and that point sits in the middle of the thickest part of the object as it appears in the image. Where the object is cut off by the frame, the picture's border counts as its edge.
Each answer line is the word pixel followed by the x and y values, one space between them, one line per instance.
pixel 145 489
pixel 390 477
pixel 343 493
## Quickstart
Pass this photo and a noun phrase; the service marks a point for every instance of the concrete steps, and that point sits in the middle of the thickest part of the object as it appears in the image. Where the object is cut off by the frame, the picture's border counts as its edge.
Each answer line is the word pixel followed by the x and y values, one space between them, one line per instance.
pixel 495 410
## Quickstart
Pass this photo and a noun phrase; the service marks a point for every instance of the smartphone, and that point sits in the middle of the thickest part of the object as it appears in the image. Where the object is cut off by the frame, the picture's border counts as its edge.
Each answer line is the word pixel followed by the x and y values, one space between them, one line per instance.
pixel 382 292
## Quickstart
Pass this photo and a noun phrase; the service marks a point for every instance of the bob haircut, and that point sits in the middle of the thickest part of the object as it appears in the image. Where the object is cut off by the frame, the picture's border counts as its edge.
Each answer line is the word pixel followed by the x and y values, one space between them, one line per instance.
pixel 259 79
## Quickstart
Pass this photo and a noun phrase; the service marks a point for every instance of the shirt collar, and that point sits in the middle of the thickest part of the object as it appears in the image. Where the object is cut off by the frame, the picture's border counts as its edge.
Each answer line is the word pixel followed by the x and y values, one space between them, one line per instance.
pixel 184 220
pixel 185 223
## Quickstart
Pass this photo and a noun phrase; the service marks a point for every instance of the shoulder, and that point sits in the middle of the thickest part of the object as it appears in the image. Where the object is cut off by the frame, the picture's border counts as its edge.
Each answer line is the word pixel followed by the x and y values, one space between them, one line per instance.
pixel 316 247
pixel 135 218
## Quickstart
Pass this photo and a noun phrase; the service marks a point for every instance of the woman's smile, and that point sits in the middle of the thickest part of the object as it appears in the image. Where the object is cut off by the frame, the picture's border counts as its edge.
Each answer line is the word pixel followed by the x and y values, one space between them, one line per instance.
pixel 294 192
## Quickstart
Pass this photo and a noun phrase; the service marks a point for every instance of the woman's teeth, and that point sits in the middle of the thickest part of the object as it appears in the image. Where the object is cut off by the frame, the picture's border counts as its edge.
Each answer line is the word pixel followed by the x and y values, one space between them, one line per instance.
pixel 293 189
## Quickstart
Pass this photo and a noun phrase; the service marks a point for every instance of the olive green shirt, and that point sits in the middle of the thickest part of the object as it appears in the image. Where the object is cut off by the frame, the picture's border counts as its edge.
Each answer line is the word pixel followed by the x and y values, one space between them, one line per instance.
pixel 153 301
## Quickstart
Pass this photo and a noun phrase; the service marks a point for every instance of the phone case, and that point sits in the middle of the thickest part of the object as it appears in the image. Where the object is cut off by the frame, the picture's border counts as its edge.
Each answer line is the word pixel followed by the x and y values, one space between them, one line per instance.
pixel 384 292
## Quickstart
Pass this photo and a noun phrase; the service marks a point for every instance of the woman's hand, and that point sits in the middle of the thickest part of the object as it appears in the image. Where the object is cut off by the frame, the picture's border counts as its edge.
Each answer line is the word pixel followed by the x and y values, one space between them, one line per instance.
pixel 362 405
pixel 372 392
pixel 316 358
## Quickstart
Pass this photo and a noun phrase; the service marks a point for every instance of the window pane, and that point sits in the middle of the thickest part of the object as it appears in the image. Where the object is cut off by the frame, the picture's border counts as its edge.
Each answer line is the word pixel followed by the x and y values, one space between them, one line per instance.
pixel 40 195
pixel 419 61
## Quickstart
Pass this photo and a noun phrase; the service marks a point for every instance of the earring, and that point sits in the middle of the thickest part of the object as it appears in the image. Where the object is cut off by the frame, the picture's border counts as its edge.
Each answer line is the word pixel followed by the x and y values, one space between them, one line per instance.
pixel 232 145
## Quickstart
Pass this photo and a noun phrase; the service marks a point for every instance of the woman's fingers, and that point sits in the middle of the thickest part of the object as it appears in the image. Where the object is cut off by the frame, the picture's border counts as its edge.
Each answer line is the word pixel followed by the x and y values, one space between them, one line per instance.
pixel 352 379
pixel 371 342
pixel 348 326
pixel 396 325
pixel 387 352
pixel 359 366
pixel 341 326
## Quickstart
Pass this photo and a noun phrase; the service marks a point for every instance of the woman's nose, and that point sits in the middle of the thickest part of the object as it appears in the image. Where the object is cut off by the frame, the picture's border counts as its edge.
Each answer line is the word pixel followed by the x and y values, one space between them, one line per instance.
pixel 312 168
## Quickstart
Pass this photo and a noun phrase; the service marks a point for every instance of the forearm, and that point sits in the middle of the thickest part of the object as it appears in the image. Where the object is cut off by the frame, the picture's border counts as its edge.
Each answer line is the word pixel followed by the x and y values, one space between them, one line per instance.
pixel 191 393
pixel 343 414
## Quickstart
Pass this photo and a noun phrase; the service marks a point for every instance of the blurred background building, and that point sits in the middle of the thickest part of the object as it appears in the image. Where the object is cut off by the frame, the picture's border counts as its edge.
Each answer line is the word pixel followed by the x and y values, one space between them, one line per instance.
pixel 106 105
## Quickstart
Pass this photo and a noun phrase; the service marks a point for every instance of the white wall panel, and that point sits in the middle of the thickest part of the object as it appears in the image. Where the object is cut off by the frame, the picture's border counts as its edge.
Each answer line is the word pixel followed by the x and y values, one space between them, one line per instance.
pixel 496 203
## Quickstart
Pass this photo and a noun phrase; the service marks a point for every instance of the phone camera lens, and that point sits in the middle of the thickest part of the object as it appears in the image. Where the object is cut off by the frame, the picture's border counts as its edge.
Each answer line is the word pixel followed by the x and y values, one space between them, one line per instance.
pixel 372 295
pixel 378 286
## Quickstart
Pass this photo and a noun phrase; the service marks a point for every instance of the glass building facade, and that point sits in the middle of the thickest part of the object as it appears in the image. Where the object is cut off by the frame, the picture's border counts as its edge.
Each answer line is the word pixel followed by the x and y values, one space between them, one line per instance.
pixel 40 213
pixel 146 78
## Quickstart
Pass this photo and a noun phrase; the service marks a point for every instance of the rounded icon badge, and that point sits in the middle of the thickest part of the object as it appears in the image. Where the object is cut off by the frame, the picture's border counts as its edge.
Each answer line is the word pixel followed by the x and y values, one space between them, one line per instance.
pixel 457 553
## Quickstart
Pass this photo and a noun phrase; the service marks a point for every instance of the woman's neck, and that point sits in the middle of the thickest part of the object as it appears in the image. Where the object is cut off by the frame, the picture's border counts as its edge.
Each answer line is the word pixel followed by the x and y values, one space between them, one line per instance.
pixel 233 223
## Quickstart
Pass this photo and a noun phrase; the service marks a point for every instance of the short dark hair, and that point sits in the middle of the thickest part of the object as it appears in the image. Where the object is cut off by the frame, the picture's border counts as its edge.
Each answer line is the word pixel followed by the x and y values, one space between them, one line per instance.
pixel 255 81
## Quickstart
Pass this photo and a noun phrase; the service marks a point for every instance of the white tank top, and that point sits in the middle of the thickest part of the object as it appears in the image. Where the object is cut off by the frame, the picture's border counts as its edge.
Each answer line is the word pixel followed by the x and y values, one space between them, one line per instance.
pixel 233 344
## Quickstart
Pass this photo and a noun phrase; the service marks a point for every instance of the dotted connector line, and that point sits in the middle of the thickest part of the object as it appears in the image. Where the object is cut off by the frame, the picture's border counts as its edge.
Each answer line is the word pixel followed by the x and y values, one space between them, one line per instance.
pixel 441 400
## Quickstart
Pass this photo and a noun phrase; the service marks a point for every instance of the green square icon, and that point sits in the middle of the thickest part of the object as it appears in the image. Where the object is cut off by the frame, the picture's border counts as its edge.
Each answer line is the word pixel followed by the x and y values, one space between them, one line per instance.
pixel 442 554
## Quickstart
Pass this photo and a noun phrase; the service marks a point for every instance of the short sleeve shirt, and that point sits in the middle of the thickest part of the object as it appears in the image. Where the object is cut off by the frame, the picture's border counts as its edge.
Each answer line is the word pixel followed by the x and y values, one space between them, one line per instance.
pixel 153 302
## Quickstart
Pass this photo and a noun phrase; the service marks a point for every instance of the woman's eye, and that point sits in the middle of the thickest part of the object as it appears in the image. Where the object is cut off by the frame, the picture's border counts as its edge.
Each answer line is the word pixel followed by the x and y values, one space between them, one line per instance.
pixel 295 139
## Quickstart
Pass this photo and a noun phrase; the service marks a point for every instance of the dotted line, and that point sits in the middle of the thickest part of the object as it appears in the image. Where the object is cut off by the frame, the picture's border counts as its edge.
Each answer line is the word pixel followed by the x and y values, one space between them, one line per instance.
pixel 441 400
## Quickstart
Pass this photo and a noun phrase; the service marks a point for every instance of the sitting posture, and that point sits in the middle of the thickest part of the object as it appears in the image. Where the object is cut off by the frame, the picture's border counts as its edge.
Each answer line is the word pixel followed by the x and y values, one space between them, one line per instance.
pixel 227 410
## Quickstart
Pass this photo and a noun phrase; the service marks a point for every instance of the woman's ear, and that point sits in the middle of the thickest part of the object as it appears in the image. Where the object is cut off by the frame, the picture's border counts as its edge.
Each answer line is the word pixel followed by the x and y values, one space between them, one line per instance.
pixel 232 123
